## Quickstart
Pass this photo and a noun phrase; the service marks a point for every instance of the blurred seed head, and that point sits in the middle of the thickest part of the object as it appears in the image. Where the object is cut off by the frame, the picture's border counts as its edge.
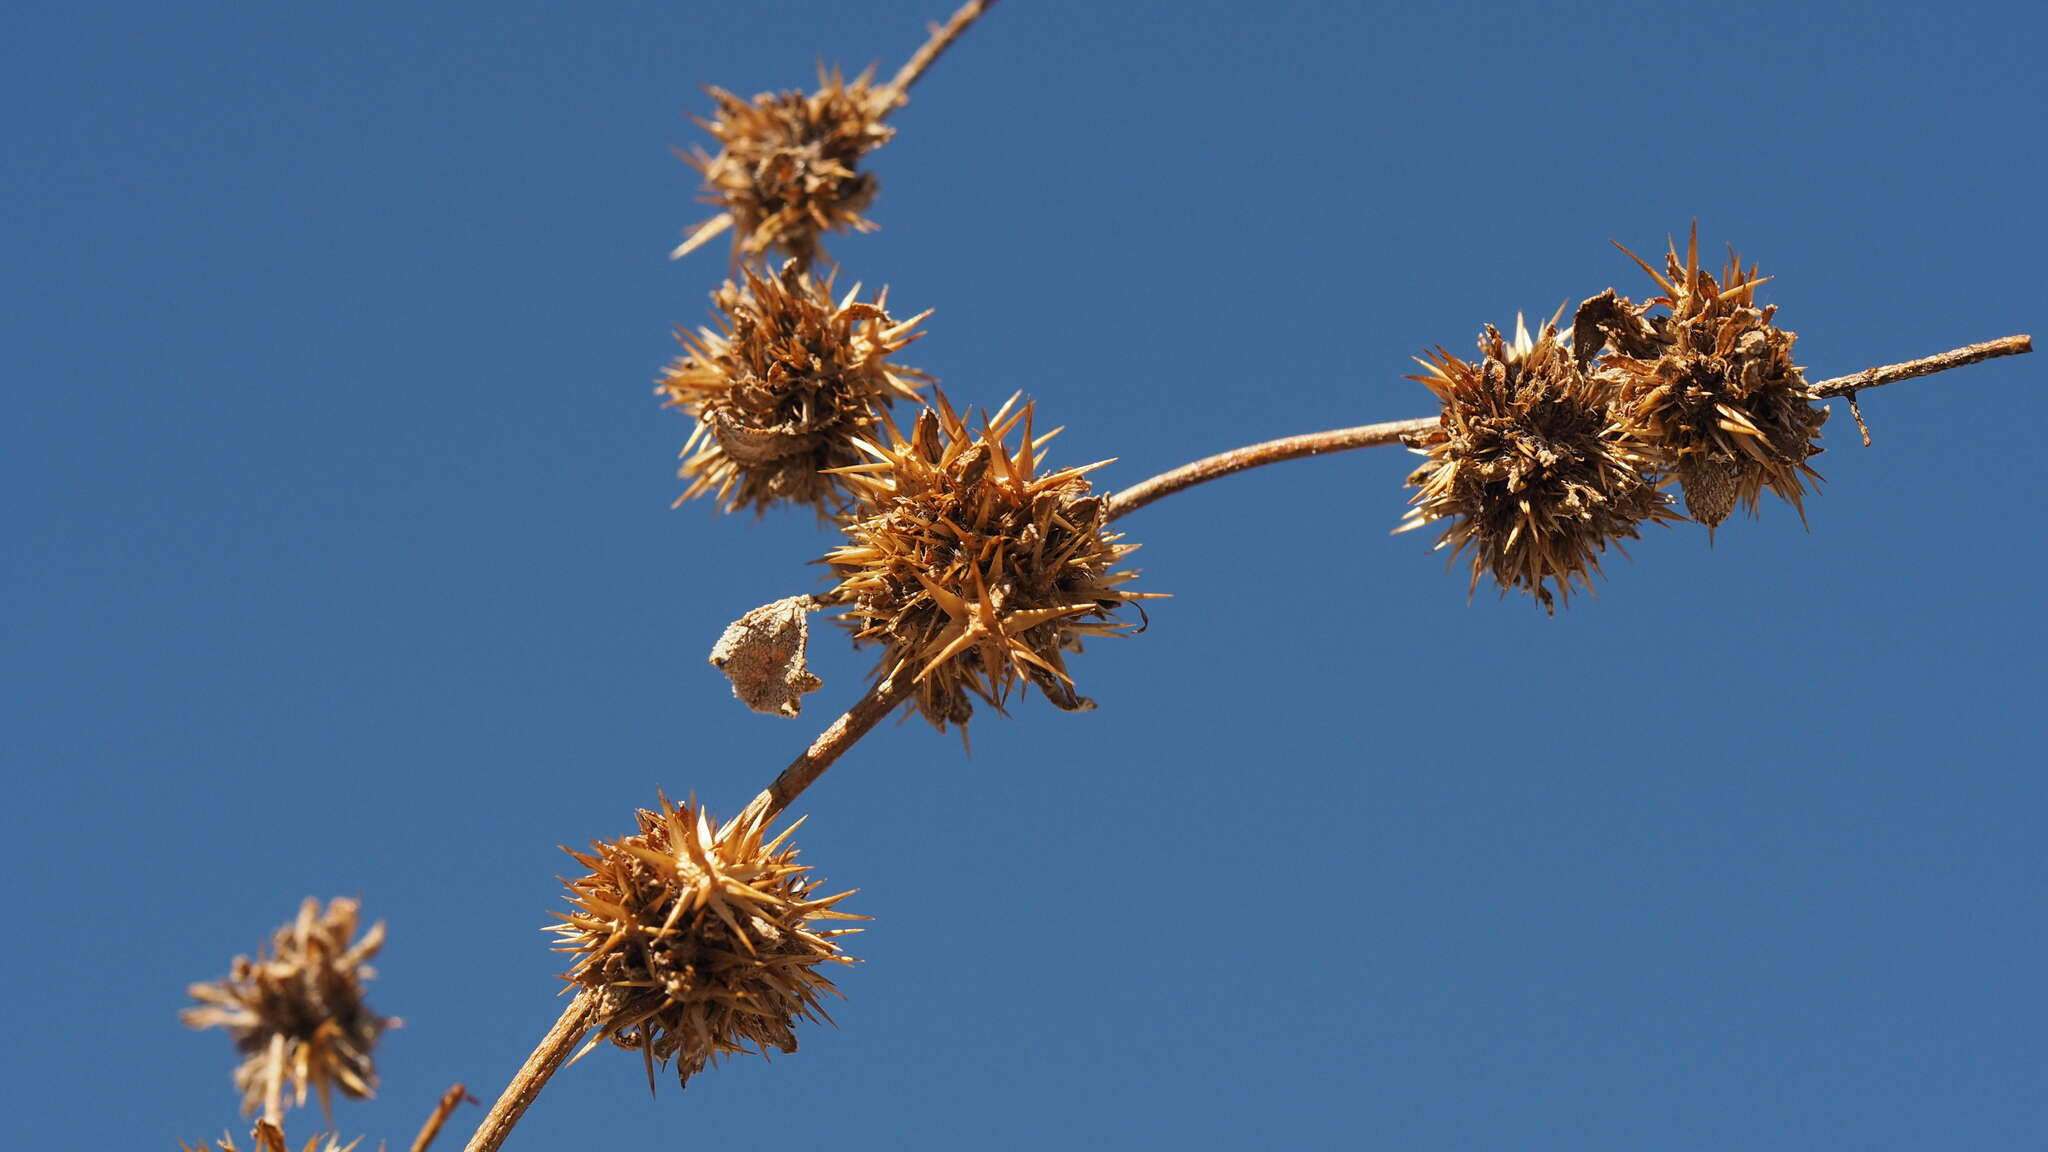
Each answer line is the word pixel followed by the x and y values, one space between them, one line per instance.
pixel 788 166
pixel 784 386
pixel 1711 382
pixel 304 993
pixel 697 941
pixel 1533 472
pixel 972 567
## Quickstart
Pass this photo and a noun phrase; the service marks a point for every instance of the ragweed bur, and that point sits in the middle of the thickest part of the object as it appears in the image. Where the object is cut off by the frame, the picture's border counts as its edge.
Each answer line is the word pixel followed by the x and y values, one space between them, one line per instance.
pixel 1534 472
pixel 971 567
pixel 1712 384
pixel 697 943
pixel 783 387
pixel 787 169
pixel 297 1012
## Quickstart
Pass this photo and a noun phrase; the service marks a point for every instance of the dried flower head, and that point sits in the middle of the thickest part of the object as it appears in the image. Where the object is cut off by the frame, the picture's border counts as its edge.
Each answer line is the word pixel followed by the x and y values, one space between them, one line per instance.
pixel 788 165
pixel 1712 384
pixel 297 1012
pixel 972 567
pixel 698 943
pixel 784 386
pixel 1534 472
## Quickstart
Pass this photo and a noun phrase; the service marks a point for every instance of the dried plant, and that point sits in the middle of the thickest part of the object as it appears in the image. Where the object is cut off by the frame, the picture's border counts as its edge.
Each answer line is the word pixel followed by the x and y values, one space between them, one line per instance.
pixel 784 386
pixel 972 568
pixel 1712 385
pixel 297 1010
pixel 976 570
pixel 788 166
pixel 694 943
pixel 1532 468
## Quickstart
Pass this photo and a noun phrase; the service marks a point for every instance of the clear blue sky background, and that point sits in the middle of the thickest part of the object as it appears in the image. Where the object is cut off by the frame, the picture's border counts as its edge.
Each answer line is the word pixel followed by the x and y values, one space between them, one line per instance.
pixel 340 561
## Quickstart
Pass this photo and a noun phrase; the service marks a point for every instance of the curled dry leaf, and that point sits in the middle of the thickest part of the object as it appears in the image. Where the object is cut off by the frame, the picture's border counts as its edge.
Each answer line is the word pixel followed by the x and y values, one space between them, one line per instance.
pixel 762 653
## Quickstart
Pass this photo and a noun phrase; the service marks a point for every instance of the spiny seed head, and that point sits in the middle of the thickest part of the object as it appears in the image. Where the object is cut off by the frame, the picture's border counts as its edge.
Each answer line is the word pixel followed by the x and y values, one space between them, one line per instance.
pixel 972 567
pixel 783 387
pixel 787 169
pixel 304 995
pixel 1712 384
pixel 697 941
pixel 1533 471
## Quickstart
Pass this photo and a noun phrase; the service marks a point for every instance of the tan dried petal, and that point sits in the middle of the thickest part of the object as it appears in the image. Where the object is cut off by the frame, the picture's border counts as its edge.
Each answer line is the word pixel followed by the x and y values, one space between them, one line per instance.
pixel 303 995
pixel 1532 470
pixel 762 653
pixel 783 387
pixel 974 569
pixel 698 941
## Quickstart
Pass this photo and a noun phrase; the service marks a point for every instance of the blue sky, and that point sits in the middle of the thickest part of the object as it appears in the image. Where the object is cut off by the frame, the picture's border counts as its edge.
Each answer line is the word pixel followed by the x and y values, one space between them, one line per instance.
pixel 341 563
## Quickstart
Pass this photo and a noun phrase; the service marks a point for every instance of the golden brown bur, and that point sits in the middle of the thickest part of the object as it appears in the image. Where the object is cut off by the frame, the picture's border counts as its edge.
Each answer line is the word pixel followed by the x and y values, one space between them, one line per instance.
pixel 788 166
pixel 973 567
pixel 697 942
pixel 783 387
pixel 1711 384
pixel 1532 471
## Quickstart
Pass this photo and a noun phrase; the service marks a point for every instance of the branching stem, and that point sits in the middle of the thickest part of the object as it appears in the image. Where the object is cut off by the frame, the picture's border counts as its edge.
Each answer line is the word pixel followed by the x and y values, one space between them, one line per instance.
pixel 1373 435
pixel 883 698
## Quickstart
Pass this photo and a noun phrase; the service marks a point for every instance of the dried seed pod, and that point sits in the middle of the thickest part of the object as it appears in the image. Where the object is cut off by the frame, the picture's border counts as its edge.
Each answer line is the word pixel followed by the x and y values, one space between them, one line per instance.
pixel 764 654
pixel 971 567
pixel 1533 471
pixel 1713 385
pixel 698 943
pixel 301 1004
pixel 788 166
pixel 784 386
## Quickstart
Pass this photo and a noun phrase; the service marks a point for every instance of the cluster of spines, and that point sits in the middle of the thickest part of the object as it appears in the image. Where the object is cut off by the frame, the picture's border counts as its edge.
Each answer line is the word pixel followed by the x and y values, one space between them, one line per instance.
pixel 1547 452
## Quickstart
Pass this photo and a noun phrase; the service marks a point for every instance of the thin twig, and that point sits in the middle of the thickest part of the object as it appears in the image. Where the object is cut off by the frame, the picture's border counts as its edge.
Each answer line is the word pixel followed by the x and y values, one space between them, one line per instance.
pixel 1925 366
pixel 1373 435
pixel 551 1053
pixel 858 721
pixel 450 1100
pixel 897 90
pixel 1271 452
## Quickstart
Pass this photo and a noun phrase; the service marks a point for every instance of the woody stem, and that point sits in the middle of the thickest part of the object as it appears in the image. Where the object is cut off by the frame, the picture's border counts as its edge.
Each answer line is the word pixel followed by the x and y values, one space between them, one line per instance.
pixel 942 37
pixel 1373 435
pixel 551 1053
pixel 842 734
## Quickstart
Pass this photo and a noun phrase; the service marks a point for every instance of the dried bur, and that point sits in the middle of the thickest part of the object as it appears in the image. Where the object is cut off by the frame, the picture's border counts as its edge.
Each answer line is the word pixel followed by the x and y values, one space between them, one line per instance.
pixel 788 166
pixel 972 567
pixel 1711 384
pixel 762 653
pixel 784 386
pixel 297 1011
pixel 695 944
pixel 1534 471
